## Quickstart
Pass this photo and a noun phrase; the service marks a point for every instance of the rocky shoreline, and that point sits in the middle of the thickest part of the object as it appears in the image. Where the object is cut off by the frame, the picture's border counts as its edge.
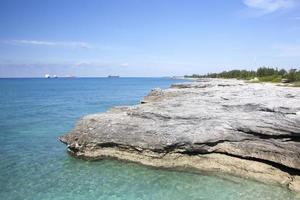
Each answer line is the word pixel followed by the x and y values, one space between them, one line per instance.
pixel 250 130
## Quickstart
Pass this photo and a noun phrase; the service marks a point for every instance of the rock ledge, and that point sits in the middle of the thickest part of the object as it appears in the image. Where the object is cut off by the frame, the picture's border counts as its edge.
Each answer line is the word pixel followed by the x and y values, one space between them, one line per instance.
pixel 245 129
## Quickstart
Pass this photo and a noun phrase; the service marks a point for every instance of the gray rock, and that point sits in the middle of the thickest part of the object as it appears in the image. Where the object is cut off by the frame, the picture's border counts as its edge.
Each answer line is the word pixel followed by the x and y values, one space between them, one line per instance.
pixel 253 121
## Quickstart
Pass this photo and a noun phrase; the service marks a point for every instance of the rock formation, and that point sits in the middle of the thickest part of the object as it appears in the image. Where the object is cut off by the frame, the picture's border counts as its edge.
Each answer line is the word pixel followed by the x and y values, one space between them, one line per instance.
pixel 245 129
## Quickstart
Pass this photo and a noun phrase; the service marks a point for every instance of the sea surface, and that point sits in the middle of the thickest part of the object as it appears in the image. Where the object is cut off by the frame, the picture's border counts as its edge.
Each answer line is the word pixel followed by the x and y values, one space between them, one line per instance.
pixel 34 165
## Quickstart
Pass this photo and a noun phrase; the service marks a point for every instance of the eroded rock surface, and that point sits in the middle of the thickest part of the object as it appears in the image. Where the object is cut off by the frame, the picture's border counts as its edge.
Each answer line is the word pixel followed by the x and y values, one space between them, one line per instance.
pixel 226 119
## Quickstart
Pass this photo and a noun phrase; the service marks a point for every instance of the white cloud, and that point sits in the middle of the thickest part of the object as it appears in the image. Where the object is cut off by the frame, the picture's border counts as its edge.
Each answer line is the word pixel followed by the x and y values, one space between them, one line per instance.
pixel 269 6
pixel 67 44
pixel 34 42
pixel 83 45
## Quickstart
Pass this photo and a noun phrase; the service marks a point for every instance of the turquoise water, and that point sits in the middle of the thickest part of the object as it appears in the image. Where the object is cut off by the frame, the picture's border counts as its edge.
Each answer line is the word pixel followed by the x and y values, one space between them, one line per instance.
pixel 35 166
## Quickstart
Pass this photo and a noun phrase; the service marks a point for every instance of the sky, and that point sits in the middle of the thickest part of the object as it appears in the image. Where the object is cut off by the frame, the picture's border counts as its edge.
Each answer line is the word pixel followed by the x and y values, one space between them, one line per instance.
pixel 146 37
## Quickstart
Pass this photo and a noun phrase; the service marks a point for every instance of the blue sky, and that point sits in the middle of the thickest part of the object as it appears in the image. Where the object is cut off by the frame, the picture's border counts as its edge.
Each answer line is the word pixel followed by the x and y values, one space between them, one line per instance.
pixel 146 37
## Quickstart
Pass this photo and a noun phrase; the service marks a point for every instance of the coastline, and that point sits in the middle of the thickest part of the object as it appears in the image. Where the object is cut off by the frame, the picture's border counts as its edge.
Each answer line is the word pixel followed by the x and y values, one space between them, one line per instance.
pixel 105 135
pixel 211 163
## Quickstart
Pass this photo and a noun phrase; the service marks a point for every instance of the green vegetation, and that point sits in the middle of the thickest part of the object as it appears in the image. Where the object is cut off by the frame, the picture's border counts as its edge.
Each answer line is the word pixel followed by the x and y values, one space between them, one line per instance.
pixel 264 74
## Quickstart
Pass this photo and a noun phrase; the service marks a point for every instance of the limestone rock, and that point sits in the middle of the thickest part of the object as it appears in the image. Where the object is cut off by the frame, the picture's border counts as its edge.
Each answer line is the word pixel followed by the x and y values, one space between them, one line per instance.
pixel 252 121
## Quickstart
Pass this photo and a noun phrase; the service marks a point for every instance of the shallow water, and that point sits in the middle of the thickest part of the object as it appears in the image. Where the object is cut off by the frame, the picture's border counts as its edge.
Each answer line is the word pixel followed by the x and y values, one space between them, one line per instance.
pixel 34 165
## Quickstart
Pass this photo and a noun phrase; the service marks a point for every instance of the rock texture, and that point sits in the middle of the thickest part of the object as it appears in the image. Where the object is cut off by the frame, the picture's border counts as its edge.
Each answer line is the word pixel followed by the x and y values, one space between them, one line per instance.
pixel 246 129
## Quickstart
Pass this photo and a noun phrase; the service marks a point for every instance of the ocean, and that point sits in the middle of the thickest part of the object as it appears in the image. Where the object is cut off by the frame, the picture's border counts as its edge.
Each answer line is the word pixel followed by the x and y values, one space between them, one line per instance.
pixel 34 165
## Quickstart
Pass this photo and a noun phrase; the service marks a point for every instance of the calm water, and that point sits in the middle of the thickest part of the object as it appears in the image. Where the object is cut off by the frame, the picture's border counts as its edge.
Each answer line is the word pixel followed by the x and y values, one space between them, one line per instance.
pixel 34 165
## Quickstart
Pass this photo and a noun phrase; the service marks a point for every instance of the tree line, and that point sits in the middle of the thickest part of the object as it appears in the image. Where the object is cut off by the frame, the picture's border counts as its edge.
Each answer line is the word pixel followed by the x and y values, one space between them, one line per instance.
pixel 267 74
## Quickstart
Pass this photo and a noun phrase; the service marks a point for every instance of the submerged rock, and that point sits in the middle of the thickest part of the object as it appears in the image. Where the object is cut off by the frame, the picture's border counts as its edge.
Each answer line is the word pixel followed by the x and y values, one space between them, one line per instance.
pixel 245 129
